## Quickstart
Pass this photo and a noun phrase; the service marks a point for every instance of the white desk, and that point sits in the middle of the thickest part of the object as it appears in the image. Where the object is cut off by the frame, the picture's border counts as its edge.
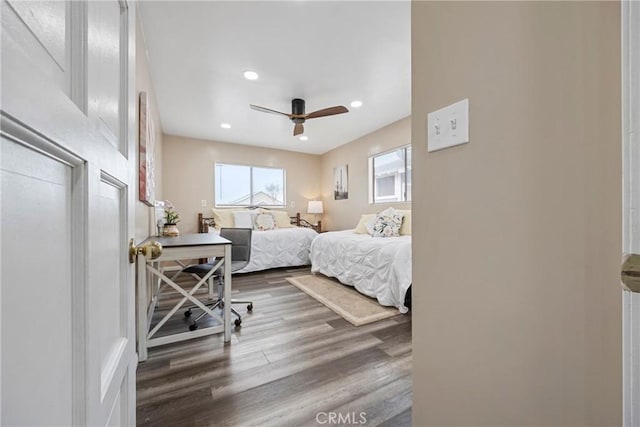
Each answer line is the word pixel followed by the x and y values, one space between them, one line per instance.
pixel 187 246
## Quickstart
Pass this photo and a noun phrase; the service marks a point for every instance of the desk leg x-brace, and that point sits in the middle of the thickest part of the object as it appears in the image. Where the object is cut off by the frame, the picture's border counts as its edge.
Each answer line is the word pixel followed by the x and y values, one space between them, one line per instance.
pixel 187 296
pixel 147 337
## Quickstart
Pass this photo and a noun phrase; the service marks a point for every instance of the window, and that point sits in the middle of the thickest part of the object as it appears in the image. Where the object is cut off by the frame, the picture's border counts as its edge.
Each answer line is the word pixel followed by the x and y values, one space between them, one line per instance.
pixel 239 185
pixel 390 176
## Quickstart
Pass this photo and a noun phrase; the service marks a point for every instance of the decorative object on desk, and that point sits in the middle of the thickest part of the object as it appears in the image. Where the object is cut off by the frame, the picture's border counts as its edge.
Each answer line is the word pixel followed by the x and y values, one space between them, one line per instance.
pixel 157 218
pixel 315 207
pixel 170 230
pixel 341 183
pixel 146 147
pixel 171 218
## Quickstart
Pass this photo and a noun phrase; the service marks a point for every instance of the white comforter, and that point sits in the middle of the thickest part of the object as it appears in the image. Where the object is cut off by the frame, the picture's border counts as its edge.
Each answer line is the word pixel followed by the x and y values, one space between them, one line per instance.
pixel 283 247
pixel 379 267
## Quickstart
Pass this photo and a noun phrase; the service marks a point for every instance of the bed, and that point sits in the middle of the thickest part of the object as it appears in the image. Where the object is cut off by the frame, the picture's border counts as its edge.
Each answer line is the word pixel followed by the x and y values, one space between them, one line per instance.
pixel 377 267
pixel 282 247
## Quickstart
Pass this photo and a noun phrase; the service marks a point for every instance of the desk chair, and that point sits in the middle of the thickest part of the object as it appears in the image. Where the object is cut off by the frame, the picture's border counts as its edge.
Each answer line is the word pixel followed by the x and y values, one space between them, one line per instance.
pixel 240 253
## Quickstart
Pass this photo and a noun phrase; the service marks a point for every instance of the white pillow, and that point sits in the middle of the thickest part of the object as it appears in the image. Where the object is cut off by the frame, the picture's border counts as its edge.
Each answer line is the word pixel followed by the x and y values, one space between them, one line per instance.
pixel 369 225
pixel 264 221
pixel 361 228
pixel 223 217
pixel 387 223
pixel 242 219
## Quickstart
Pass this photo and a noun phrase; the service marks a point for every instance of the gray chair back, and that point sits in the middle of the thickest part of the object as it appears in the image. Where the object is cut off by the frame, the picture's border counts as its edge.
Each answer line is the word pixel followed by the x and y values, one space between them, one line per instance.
pixel 240 243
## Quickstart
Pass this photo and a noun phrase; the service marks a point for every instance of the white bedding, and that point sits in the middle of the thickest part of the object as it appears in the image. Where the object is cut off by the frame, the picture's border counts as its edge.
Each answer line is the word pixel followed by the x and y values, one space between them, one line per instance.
pixel 379 267
pixel 282 247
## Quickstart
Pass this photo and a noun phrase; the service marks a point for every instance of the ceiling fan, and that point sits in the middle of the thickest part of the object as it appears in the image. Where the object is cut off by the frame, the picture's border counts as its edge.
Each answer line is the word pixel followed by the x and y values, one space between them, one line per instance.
pixel 298 115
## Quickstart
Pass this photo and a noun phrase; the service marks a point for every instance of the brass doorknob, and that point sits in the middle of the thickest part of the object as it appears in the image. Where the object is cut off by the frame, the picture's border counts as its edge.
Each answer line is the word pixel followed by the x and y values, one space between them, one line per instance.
pixel 150 250
pixel 631 273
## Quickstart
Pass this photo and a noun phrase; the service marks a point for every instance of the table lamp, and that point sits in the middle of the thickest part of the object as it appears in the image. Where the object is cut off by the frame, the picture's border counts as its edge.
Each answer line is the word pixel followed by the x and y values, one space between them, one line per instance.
pixel 315 207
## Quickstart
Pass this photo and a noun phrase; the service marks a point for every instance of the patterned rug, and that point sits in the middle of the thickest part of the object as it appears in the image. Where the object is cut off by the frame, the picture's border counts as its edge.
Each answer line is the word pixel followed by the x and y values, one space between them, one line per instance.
pixel 356 308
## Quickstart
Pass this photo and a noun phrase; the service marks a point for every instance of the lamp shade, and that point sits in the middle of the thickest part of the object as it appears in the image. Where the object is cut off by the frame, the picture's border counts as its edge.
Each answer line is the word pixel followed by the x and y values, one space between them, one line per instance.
pixel 314 207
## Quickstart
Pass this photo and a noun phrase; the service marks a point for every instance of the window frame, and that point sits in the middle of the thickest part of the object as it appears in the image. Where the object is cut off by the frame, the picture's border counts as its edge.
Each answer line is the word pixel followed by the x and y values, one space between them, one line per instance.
pixel 372 179
pixel 251 167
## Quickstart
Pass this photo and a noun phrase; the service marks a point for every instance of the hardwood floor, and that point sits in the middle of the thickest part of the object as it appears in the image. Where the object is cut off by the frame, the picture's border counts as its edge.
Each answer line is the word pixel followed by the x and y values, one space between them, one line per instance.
pixel 292 363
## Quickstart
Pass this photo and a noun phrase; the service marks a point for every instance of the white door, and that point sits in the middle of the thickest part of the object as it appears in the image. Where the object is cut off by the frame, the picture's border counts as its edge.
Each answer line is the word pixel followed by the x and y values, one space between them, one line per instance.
pixel 67 171
pixel 631 208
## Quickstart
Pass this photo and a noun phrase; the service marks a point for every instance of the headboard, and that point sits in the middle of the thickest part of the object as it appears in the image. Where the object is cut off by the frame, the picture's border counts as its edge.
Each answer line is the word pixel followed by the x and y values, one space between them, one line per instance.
pixel 205 222
pixel 301 222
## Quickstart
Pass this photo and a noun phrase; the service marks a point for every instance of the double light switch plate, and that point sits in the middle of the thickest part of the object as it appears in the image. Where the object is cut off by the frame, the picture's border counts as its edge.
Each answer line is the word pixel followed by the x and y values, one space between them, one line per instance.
pixel 448 126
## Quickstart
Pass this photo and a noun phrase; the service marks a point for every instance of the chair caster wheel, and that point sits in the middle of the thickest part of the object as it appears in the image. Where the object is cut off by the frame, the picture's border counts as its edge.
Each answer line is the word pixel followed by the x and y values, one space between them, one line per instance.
pixel 238 322
pixel 193 326
pixel 250 307
pixel 187 313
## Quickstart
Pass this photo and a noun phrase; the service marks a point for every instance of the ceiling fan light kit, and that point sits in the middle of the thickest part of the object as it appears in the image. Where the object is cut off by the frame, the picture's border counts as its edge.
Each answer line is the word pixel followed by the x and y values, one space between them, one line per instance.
pixel 298 115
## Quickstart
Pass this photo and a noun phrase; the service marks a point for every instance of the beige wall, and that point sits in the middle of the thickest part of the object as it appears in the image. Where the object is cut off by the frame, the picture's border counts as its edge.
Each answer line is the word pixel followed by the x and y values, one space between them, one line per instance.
pixel 517 302
pixel 188 173
pixel 309 176
pixel 344 214
pixel 143 83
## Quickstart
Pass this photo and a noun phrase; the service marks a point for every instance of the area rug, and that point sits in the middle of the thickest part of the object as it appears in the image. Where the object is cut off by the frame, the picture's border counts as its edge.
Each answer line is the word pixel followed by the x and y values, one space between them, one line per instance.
pixel 356 308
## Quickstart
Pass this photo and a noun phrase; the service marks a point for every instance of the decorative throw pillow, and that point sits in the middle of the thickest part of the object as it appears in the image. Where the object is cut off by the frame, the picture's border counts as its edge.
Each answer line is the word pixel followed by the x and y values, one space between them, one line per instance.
pixel 282 219
pixel 264 221
pixel 387 223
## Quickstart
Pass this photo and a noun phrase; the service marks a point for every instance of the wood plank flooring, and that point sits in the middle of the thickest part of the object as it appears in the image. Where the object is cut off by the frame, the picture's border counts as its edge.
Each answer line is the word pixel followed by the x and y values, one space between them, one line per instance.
pixel 291 363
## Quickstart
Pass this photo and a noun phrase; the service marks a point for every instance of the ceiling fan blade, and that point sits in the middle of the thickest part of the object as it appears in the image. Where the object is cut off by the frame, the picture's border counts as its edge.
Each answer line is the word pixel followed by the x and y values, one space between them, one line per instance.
pixel 268 110
pixel 298 129
pixel 328 112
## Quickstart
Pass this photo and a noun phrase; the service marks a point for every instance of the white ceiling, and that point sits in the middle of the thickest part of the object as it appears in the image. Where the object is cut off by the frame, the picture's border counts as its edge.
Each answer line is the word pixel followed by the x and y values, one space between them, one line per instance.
pixel 326 52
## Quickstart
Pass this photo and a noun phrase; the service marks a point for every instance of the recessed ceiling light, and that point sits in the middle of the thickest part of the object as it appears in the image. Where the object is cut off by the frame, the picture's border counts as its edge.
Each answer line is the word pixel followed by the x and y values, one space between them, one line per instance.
pixel 356 104
pixel 304 138
pixel 251 75
pixel 225 126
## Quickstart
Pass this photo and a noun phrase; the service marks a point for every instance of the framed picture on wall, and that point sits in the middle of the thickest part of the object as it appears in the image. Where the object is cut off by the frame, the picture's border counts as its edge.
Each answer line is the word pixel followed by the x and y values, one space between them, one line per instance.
pixel 341 182
pixel 146 146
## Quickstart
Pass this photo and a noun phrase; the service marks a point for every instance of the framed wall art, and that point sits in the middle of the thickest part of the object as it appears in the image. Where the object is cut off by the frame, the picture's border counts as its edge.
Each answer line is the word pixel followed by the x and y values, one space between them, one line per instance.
pixel 146 146
pixel 341 182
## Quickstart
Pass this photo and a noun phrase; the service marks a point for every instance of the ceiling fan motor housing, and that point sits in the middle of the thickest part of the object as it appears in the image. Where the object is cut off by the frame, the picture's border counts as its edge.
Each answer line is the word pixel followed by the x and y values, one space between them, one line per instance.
pixel 298 115
pixel 297 108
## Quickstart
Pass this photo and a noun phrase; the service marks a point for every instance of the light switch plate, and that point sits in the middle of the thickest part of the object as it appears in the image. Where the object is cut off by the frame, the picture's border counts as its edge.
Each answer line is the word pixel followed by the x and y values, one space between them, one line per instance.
pixel 448 126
